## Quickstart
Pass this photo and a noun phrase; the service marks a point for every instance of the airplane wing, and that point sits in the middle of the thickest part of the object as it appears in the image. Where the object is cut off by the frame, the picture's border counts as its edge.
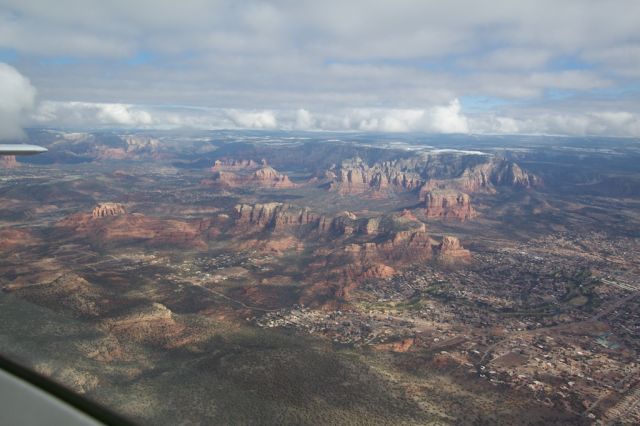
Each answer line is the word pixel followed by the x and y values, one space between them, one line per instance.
pixel 21 149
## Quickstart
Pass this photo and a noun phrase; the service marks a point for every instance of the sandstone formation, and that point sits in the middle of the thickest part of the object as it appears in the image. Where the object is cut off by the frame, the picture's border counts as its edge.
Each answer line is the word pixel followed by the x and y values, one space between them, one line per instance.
pixel 270 177
pixel 140 144
pixel 356 177
pixel 274 216
pixel 108 222
pixel 8 162
pixel 451 251
pixel 346 249
pixel 425 172
pixel 486 177
pixel 101 152
pixel 265 177
pixel 281 217
pixel 234 165
pixel 394 235
pixel 107 209
pixel 344 223
pixel 126 147
pixel 275 245
pixel 448 204
pixel 393 245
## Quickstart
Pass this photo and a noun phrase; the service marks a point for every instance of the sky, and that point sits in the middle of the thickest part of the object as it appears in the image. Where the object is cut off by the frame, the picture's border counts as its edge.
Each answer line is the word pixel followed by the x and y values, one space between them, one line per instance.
pixel 473 67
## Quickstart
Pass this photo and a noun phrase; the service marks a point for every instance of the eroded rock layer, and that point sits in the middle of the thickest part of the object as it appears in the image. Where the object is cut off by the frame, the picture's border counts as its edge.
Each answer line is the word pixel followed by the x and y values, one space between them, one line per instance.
pixel 428 171
pixel 107 209
pixel 448 204
pixel 265 177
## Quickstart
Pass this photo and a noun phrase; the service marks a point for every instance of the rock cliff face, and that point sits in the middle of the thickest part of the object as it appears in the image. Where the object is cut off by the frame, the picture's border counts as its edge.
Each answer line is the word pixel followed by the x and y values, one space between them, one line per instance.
pixel 265 177
pixel 275 216
pixel 451 251
pixel 234 165
pixel 376 249
pixel 448 204
pixel 141 144
pixel 270 177
pixel 486 177
pixel 356 177
pixel 107 209
pixel 344 223
pixel 346 249
pixel 426 172
pixel 128 147
pixel 399 248
pixel 8 162
pixel 392 234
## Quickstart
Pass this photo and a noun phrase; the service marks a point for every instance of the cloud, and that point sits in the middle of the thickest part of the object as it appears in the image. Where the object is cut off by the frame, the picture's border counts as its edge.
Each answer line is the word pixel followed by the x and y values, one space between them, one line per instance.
pixel 304 120
pixel 17 97
pixel 84 114
pixel 567 67
pixel 122 114
pixel 447 118
pixel 623 59
pixel 514 58
pixel 593 123
pixel 271 55
pixel 253 119
pixel 438 119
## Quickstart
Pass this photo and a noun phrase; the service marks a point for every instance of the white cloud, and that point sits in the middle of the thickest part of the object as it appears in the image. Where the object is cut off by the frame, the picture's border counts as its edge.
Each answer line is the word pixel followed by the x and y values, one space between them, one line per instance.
pixel 253 119
pixel 304 120
pixel 17 97
pixel 262 55
pixel 87 114
pixel 438 119
pixel 598 123
pixel 448 118
pixel 122 114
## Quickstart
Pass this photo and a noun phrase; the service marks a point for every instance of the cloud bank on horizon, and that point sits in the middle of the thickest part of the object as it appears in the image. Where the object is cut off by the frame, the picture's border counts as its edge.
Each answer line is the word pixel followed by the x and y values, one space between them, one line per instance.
pixel 570 67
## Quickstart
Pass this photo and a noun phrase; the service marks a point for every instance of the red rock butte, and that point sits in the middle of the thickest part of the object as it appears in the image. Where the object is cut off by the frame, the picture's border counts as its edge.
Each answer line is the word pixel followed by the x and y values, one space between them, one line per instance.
pixel 108 209
pixel 451 250
pixel 448 204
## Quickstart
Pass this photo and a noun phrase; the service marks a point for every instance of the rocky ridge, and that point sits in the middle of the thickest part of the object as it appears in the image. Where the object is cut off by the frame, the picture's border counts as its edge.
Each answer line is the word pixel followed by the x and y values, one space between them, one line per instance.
pixel 451 250
pixel 426 171
pixel 107 209
pixel 486 177
pixel 347 249
pixel 356 177
pixel 265 177
pixel 230 164
pixel 448 204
